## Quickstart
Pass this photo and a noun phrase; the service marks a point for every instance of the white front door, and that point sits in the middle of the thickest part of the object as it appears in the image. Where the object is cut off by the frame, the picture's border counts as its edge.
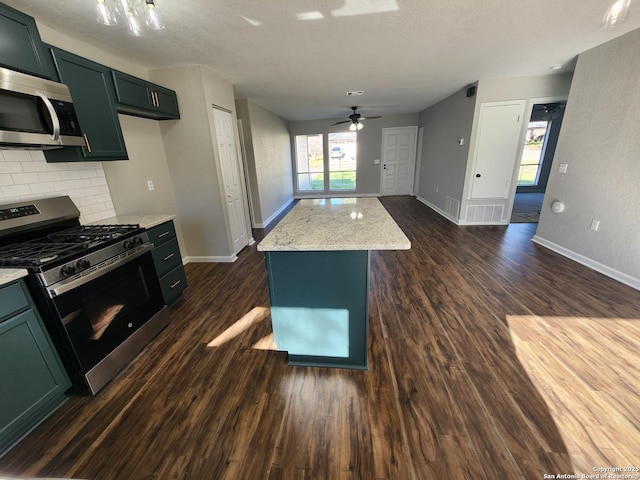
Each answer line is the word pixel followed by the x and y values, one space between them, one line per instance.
pixel 497 143
pixel 230 165
pixel 398 160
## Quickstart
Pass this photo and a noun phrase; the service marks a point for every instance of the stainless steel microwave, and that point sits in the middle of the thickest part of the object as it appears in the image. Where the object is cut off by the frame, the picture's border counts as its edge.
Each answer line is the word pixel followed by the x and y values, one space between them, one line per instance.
pixel 36 114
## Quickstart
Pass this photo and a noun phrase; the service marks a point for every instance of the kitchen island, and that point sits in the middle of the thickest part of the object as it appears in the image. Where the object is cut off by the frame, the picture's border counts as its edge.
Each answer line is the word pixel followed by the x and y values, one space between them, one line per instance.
pixel 318 264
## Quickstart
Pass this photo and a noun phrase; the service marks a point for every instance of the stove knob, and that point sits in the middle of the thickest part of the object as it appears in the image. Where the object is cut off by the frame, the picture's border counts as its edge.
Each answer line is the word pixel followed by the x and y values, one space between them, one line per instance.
pixel 83 264
pixel 67 270
pixel 128 244
pixel 137 241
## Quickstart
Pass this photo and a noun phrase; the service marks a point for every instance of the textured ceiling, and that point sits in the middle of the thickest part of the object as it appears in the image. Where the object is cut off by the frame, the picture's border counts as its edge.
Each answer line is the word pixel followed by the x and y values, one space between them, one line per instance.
pixel 297 58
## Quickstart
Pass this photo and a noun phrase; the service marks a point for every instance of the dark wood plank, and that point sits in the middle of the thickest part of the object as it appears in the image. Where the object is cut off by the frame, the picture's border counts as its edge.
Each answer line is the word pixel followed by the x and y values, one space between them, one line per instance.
pixel 490 357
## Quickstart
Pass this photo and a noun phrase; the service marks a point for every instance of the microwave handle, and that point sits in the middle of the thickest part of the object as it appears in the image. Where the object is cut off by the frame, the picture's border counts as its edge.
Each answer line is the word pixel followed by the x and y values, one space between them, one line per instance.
pixel 54 117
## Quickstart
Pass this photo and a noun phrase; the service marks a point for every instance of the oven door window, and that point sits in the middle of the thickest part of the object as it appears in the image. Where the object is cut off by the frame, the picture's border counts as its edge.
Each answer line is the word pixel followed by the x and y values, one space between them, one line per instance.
pixel 99 315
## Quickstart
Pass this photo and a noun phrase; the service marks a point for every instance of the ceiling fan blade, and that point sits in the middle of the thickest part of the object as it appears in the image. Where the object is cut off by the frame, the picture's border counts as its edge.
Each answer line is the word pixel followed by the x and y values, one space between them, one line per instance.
pixel 338 123
pixel 370 118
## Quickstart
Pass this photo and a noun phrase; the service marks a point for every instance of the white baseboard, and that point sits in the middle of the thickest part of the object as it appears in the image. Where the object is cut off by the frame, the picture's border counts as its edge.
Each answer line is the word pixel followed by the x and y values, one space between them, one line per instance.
pixel 438 210
pixel 195 259
pixel 621 277
pixel 272 217
pixel 252 241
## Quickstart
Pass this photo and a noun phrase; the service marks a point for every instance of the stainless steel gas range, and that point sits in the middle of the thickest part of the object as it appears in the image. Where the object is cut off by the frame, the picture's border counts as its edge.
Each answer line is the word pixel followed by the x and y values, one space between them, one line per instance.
pixel 95 286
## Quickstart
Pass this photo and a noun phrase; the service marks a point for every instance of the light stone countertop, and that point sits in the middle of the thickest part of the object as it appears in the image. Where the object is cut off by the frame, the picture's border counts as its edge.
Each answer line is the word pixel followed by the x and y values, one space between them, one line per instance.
pixel 145 221
pixel 336 224
pixel 8 275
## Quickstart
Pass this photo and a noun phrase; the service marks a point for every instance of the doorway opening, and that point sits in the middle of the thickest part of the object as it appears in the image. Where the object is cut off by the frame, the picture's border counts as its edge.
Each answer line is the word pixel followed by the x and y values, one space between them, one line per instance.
pixel 540 143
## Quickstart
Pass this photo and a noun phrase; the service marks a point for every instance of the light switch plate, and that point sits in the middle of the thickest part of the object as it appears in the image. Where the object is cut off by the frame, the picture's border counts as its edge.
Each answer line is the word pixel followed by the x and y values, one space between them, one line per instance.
pixel 563 168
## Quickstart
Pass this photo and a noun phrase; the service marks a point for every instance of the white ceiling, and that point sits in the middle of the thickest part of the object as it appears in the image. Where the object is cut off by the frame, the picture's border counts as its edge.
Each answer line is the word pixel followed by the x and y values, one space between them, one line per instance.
pixel 405 54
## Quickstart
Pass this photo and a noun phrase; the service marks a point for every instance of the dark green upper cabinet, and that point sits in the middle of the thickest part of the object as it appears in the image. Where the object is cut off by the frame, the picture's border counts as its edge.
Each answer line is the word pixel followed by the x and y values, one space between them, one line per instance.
pixel 92 88
pixel 20 45
pixel 144 99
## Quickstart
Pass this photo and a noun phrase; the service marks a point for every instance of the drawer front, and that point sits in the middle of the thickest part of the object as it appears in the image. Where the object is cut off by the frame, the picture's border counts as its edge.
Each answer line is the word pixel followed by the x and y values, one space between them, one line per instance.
pixel 166 257
pixel 12 299
pixel 161 233
pixel 172 284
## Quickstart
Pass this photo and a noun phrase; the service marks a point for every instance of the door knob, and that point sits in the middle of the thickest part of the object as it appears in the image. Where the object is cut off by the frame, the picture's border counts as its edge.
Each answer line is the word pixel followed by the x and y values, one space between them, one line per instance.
pixel 478 175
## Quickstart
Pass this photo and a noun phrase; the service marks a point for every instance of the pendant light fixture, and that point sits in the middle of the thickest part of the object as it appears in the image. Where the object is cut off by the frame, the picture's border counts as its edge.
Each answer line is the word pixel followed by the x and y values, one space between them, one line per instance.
pixel 617 11
pixel 134 13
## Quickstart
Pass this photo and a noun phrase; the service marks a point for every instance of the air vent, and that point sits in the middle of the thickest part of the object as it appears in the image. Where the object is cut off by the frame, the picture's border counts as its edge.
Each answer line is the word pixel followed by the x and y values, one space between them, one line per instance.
pixel 355 93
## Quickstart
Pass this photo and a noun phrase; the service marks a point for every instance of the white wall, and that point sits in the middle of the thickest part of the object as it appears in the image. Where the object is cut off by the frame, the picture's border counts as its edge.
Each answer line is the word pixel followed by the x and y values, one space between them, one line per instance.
pixel 268 151
pixel 600 142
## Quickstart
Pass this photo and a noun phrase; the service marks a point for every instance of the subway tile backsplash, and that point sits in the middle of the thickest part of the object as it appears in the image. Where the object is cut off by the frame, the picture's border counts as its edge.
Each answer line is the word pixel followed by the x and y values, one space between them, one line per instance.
pixel 25 175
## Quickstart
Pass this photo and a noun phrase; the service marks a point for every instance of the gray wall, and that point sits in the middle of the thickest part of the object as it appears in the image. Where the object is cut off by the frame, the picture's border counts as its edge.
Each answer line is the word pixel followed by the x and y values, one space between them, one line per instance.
pixel 443 163
pixel 600 141
pixel 369 144
pixel 268 151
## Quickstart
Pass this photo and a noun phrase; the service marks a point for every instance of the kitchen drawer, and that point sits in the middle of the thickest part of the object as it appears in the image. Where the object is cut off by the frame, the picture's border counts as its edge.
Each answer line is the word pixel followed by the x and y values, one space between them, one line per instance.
pixel 162 233
pixel 12 299
pixel 167 256
pixel 172 284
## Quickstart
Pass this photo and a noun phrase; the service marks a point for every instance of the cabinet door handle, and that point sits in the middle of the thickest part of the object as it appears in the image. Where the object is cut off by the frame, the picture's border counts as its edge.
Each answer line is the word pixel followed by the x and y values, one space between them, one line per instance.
pixel 169 256
pixel 163 234
pixel 157 100
pixel 175 284
pixel 86 139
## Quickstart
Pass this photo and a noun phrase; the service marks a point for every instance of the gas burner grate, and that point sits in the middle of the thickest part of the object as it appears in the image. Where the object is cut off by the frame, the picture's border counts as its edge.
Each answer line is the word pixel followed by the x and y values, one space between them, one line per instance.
pixel 86 233
pixel 36 254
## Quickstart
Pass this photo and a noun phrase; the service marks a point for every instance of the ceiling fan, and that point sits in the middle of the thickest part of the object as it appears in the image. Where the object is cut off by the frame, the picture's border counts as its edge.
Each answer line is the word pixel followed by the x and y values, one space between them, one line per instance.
pixel 355 119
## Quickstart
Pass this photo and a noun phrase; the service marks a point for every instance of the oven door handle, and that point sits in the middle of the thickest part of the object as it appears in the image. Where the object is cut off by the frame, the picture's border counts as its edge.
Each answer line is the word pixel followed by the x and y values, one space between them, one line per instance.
pixel 72 283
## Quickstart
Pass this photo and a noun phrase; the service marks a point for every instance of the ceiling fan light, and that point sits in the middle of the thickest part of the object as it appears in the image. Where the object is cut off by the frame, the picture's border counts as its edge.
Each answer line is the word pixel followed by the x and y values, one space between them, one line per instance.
pixel 359 126
pixel 353 127
pixel 617 11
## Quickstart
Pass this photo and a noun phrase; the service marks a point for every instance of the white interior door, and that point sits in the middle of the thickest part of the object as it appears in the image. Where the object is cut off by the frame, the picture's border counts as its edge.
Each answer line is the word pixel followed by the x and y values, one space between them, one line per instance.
pixel 230 165
pixel 499 128
pixel 398 160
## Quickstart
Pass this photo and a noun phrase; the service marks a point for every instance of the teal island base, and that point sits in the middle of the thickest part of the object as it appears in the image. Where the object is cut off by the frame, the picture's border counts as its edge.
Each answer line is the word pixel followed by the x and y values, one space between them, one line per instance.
pixel 320 306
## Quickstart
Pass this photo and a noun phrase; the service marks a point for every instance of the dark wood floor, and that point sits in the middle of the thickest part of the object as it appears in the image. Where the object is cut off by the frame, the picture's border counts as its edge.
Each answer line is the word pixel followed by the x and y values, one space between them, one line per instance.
pixel 490 358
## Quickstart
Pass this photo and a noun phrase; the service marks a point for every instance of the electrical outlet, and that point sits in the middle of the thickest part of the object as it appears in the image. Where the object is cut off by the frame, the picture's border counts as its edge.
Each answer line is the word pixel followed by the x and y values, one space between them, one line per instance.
pixel 150 185
pixel 595 224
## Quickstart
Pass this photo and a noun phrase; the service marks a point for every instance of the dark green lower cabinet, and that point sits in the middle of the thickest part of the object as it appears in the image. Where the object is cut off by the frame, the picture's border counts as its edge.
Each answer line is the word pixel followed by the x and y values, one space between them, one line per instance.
pixel 32 378
pixel 320 307
pixel 168 261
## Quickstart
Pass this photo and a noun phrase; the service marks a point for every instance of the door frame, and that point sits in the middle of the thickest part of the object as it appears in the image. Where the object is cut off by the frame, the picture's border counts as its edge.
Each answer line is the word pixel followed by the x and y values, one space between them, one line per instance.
pixel 516 163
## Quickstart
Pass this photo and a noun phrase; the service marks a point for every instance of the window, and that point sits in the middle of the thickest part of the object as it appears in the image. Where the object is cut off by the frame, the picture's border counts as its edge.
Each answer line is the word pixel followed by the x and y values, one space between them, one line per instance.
pixel 310 163
pixel 335 171
pixel 533 153
pixel 342 161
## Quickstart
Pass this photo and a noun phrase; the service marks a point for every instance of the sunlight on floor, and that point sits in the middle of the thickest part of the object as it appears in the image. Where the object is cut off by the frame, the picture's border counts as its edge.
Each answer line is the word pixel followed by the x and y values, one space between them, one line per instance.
pixel 253 317
pixel 588 372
